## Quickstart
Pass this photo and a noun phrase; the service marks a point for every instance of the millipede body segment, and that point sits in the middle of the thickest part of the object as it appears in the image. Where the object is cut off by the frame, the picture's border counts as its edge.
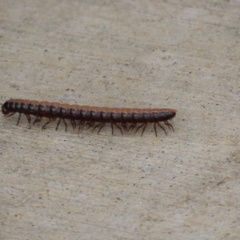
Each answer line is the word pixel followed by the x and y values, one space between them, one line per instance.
pixel 91 117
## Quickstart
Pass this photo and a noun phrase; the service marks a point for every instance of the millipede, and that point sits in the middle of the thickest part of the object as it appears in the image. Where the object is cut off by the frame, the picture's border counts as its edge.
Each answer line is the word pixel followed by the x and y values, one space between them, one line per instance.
pixel 127 119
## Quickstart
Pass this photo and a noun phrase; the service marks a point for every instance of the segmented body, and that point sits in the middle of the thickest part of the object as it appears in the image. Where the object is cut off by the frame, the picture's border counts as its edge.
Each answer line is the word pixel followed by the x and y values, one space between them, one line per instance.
pixel 95 117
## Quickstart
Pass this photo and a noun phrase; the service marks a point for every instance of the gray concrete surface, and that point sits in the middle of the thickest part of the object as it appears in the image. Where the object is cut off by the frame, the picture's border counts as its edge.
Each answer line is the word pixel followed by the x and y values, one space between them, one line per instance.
pixel 177 54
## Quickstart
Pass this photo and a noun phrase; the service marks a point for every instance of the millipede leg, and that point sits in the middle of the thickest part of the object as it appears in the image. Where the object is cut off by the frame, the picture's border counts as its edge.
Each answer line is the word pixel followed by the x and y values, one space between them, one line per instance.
pixel 144 127
pixel 59 121
pixel 90 124
pixel 37 119
pixel 81 123
pixel 44 126
pixel 96 126
pixel 169 125
pixel 112 127
pixel 132 126
pixel 161 127
pixel 78 128
pixel 73 123
pixel 125 127
pixel 118 128
pixel 139 127
pixel 100 125
pixel 19 118
pixel 155 129
pixel 103 124
pixel 65 124
pixel 9 114
pixel 29 119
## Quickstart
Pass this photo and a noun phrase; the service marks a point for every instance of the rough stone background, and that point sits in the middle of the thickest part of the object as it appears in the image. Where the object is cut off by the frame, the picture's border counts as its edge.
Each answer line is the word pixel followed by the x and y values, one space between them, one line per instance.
pixel 149 54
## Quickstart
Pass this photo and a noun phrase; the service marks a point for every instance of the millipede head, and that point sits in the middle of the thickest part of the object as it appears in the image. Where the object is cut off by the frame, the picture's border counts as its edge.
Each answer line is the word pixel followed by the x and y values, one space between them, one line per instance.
pixel 5 108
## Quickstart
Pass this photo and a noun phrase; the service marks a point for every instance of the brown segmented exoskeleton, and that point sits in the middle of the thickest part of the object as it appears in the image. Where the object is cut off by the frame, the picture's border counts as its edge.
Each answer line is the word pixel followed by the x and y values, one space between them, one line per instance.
pixel 91 117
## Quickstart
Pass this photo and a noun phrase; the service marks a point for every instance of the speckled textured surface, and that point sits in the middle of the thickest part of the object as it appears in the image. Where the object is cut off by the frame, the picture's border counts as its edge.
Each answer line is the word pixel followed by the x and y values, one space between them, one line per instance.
pixel 176 54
